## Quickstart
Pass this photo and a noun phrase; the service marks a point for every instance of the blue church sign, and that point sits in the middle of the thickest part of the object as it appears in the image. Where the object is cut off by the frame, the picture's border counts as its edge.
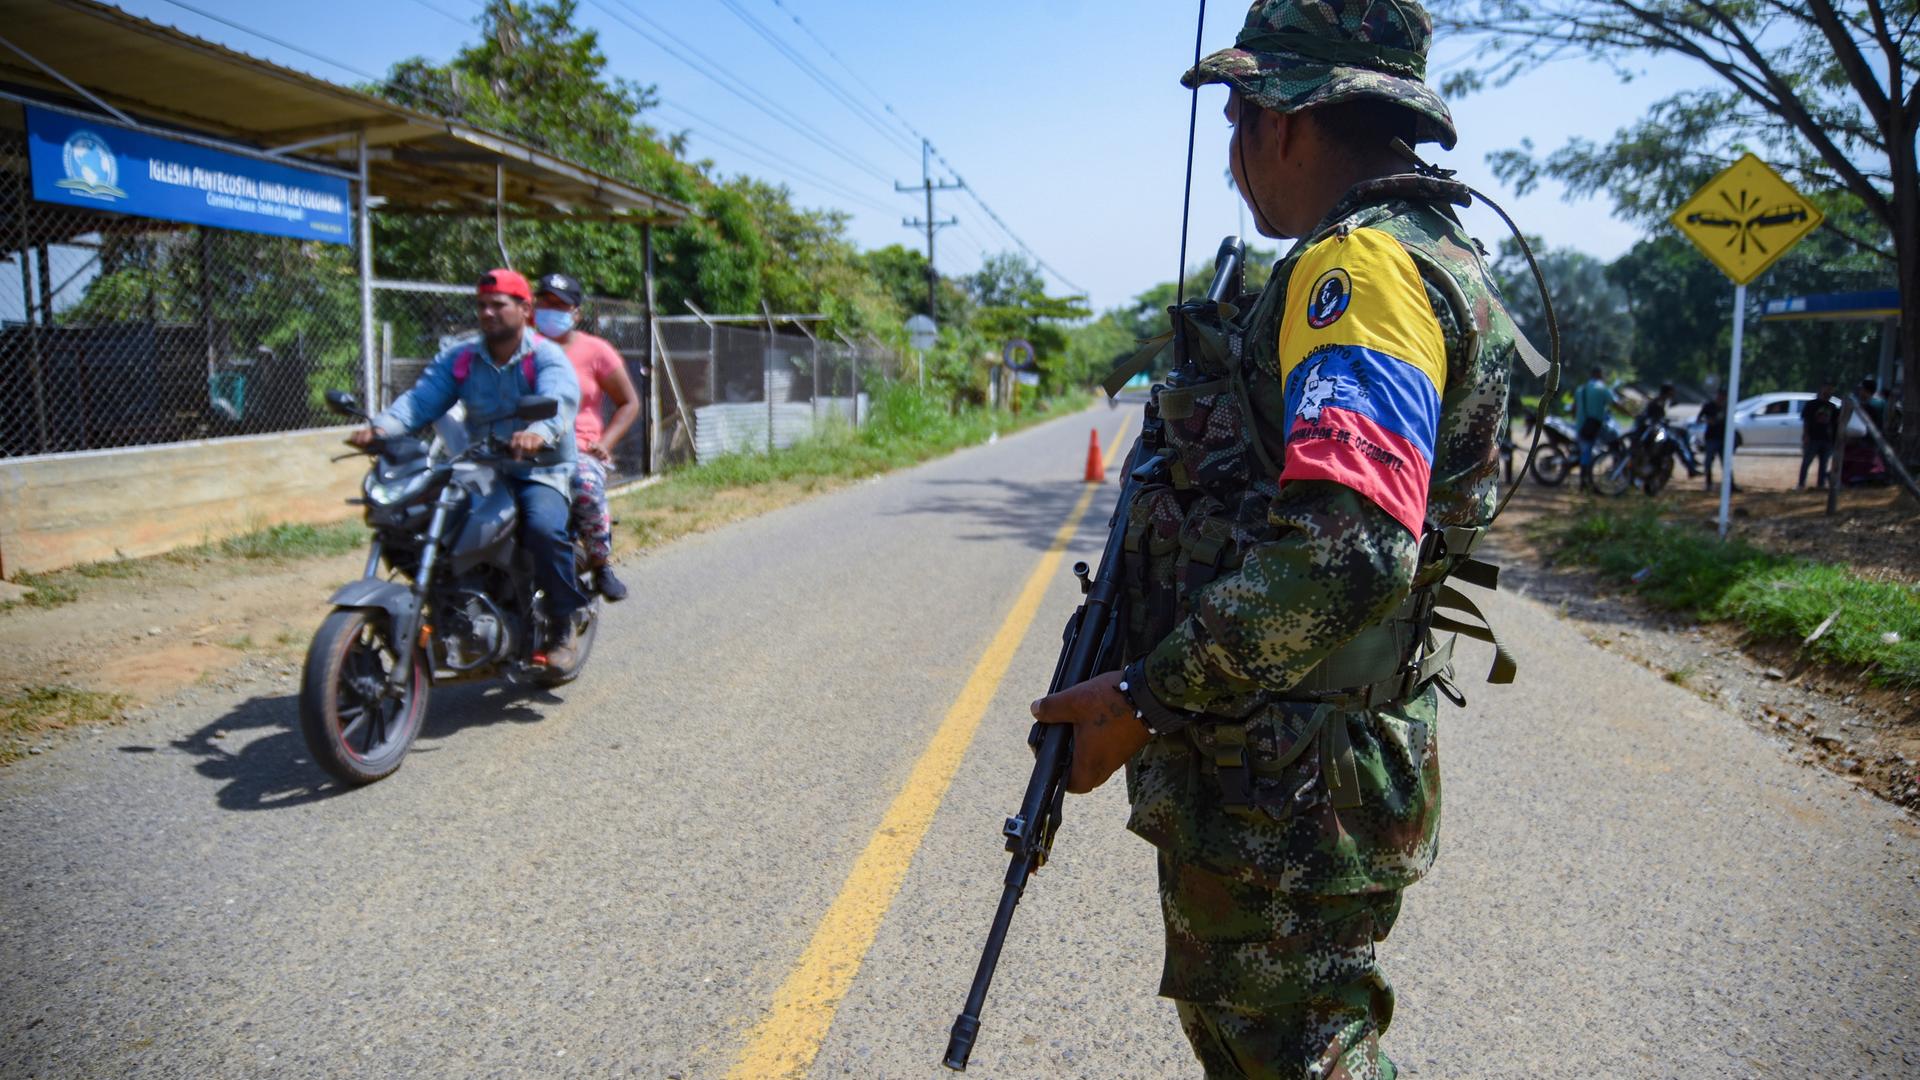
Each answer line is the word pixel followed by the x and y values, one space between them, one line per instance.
pixel 80 162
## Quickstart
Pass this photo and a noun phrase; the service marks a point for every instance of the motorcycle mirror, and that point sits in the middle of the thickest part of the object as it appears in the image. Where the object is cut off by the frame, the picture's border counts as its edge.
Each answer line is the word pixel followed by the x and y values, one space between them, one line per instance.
pixel 344 403
pixel 537 407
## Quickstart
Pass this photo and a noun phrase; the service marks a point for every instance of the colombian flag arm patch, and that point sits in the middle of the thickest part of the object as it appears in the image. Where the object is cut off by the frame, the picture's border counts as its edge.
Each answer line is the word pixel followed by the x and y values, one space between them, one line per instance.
pixel 1362 361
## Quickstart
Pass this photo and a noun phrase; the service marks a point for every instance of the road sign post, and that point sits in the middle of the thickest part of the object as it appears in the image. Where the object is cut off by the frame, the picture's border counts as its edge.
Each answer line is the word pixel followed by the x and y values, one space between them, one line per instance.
pixel 1743 220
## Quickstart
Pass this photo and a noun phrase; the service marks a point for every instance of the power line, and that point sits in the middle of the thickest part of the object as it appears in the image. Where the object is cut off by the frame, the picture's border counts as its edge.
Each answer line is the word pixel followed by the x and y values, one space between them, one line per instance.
pixel 308 53
pixel 931 224
pixel 742 145
pixel 444 13
pixel 825 81
pixel 848 68
pixel 712 68
pixel 378 80
pixel 895 113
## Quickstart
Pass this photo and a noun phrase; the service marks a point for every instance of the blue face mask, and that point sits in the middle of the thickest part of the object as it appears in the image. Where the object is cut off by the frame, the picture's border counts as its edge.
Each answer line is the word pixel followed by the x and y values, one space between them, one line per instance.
pixel 553 322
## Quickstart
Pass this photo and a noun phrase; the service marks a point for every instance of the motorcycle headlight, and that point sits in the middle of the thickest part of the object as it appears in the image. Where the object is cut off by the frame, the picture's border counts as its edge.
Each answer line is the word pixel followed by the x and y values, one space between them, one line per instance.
pixel 396 491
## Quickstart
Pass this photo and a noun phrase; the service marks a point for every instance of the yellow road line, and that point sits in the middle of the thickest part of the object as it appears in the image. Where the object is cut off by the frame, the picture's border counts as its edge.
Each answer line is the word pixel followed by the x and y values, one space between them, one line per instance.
pixel 785 1042
pixel 1114 446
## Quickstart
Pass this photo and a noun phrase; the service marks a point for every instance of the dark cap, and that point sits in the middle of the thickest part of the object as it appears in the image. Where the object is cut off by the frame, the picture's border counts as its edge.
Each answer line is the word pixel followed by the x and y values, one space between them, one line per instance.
pixel 563 287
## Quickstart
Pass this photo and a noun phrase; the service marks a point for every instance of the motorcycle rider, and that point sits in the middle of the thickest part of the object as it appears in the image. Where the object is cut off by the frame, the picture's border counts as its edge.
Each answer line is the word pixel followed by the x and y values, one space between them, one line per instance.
pixel 489 378
pixel 1654 413
pixel 602 374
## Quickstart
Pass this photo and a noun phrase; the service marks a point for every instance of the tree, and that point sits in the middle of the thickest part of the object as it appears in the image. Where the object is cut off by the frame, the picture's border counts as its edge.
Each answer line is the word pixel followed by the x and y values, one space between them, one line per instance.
pixel 1828 91
pixel 1012 302
pixel 1592 312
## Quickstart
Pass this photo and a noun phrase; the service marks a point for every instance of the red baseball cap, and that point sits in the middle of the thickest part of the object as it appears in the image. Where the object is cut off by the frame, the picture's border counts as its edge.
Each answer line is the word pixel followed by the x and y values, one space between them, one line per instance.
pixel 506 283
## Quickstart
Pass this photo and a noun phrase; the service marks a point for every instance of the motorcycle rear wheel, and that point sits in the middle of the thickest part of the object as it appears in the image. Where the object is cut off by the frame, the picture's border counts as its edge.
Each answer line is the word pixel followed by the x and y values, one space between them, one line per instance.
pixel 1551 465
pixel 354 731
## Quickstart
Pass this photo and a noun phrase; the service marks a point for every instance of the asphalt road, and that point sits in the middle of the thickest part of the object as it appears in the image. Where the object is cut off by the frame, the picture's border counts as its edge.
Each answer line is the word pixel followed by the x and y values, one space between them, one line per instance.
pixel 621 879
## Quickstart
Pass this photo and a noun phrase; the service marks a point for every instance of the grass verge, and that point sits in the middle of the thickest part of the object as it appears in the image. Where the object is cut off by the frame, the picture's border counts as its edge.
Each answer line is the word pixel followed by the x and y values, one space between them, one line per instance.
pixel 1876 624
pixel 282 542
pixel 26 716
pixel 906 429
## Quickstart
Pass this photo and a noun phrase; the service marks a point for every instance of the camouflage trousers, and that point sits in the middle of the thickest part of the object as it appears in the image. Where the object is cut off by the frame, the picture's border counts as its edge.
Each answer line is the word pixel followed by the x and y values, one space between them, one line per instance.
pixel 591 521
pixel 1276 986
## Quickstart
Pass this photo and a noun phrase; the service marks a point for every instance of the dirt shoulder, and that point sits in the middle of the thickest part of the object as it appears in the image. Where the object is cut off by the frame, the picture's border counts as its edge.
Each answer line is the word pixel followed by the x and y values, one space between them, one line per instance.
pixel 1819 716
pixel 139 632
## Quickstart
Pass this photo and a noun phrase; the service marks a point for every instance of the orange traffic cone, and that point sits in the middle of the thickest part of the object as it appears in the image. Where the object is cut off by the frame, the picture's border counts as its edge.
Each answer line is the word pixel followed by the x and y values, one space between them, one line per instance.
pixel 1096 465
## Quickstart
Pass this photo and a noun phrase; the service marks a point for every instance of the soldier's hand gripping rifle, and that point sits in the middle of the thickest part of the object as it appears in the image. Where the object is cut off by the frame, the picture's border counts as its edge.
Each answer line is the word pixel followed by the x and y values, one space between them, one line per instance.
pixel 1091 647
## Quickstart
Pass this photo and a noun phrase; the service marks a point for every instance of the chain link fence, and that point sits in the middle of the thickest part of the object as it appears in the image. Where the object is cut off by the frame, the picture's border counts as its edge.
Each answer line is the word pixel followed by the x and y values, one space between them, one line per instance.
pixel 757 388
pixel 709 385
pixel 416 321
pixel 123 331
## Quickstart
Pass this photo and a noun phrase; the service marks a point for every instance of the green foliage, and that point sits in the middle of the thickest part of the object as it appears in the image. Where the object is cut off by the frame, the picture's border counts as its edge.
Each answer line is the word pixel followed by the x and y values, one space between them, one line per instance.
pixel 1773 597
pixel 906 427
pixel 1591 310
pixel 1094 347
pixel 291 541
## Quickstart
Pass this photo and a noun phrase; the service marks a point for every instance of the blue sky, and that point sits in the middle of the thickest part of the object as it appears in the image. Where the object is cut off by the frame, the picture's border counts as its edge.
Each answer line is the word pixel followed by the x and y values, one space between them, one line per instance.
pixel 1065 117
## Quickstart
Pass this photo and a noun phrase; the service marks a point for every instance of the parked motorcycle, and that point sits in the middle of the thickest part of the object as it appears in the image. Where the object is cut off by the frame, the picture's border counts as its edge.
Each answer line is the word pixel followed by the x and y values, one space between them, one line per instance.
pixel 1643 458
pixel 1559 451
pixel 457 602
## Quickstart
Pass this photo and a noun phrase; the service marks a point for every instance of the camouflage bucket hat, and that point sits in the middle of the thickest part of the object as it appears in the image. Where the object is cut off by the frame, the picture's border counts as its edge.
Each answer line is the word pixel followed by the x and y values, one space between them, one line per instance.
pixel 1296 54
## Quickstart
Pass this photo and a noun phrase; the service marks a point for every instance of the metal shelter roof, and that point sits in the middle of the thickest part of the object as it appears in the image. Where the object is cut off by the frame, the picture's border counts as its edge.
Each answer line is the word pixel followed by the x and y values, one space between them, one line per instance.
pixel 419 161
pixel 1836 307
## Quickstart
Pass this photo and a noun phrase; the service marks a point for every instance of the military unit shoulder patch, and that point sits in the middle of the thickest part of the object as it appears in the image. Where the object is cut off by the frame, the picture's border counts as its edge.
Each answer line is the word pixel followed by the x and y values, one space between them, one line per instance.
pixel 1329 298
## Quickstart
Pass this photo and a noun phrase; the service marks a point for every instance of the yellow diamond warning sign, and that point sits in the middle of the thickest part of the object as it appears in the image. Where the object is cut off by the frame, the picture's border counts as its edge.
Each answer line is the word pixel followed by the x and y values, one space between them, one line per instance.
pixel 1745 218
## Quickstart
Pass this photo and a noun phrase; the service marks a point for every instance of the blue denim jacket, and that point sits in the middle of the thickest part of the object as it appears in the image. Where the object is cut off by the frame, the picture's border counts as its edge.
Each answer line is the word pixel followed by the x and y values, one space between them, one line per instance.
pixel 491 392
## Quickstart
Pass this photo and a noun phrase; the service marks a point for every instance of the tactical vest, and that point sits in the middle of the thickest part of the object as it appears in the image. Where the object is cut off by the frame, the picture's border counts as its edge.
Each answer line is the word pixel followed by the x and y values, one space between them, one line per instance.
pixel 1223 462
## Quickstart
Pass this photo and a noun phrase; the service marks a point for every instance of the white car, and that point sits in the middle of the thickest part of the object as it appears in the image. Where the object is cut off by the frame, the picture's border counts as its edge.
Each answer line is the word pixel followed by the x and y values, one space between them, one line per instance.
pixel 1769 421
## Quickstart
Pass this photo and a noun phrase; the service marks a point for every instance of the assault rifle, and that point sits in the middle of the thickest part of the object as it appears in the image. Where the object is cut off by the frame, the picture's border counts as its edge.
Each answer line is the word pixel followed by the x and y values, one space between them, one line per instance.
pixel 1091 647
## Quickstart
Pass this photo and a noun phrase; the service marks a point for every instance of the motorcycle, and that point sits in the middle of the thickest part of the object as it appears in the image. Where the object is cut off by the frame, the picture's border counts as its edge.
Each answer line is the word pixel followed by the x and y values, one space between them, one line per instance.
pixel 1643 458
pixel 1559 452
pixel 457 601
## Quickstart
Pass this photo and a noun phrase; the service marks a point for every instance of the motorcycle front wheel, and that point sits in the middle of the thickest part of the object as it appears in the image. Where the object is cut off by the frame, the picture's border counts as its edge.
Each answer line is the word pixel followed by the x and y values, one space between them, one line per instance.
pixel 355 730
pixel 1610 476
pixel 1659 475
pixel 1551 465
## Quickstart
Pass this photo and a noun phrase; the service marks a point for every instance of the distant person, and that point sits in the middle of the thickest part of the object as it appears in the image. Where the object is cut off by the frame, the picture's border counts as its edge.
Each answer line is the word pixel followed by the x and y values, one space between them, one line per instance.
pixel 1714 415
pixel 1592 421
pixel 603 376
pixel 1873 404
pixel 1819 428
pixel 1860 460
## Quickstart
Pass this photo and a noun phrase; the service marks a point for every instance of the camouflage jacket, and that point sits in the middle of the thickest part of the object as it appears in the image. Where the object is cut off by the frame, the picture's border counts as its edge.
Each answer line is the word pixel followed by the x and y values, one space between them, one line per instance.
pixel 1376 366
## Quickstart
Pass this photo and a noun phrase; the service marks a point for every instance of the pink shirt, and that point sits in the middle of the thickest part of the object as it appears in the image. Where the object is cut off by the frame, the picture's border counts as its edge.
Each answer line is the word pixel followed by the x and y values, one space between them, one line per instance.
pixel 593 359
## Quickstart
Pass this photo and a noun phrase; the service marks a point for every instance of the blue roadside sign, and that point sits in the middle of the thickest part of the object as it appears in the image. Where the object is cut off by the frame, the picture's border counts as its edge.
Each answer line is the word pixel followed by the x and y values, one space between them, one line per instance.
pixel 80 162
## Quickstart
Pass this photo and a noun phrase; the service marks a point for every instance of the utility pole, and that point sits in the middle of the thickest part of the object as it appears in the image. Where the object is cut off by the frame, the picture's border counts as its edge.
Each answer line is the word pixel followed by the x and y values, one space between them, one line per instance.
pixel 927 184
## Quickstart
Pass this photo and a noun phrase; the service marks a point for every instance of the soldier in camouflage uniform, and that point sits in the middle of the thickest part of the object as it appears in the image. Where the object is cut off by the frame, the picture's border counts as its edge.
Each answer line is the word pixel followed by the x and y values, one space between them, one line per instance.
pixel 1277 718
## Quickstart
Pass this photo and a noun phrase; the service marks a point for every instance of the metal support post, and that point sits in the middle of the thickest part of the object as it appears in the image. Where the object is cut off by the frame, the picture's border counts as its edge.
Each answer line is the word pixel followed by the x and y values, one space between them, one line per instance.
pixel 653 389
pixel 926 183
pixel 369 363
pixel 34 358
pixel 766 356
pixel 813 397
pixel 1733 399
